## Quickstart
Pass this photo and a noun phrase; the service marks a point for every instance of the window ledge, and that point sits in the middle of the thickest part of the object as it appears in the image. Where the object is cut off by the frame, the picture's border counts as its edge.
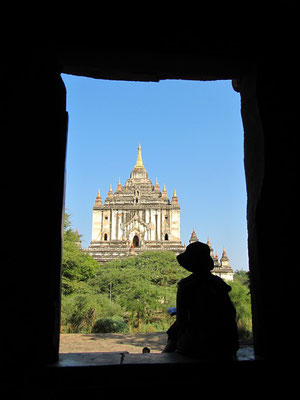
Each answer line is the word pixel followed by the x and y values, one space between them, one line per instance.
pixel 125 358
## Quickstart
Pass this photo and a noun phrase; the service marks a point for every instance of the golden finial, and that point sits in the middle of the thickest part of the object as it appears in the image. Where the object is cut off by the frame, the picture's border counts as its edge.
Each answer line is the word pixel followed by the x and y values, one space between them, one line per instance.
pixel 139 161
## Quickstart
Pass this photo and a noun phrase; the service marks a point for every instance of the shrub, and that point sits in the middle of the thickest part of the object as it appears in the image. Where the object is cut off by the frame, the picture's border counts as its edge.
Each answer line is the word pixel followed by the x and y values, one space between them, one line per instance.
pixel 110 325
pixel 81 311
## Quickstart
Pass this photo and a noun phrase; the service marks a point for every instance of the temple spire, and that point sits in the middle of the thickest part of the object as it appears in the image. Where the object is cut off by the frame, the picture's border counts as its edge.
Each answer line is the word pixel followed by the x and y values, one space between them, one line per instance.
pixel 139 161
pixel 139 172
pixel 156 186
pixel 225 260
pixel 194 237
pixel 164 193
pixel 110 193
pixel 174 198
pixel 119 186
pixel 98 201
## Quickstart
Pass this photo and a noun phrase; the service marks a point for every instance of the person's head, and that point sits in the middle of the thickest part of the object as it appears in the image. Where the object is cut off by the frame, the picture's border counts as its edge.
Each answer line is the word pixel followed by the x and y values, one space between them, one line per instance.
pixel 196 258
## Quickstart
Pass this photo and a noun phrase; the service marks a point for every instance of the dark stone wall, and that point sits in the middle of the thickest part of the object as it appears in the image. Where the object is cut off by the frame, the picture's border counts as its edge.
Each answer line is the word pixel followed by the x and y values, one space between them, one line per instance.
pixel 34 127
pixel 34 131
pixel 270 118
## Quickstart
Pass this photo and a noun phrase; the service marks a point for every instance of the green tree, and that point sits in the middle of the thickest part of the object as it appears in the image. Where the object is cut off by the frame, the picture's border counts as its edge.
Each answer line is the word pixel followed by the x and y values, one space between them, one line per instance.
pixel 138 290
pixel 240 296
pixel 242 276
pixel 140 301
pixel 145 286
pixel 77 265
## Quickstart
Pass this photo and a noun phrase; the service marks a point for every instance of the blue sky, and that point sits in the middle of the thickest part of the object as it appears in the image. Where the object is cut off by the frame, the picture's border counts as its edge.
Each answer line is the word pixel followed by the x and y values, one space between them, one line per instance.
pixel 192 140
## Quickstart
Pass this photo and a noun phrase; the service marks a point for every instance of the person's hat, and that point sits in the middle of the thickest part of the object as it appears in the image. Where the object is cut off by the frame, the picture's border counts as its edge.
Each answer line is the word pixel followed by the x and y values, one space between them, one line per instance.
pixel 196 258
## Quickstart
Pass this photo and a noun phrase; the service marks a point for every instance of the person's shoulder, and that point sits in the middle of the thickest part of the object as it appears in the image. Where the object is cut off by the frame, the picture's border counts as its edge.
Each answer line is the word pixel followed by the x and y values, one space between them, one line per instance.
pixel 189 281
pixel 219 283
pixel 186 281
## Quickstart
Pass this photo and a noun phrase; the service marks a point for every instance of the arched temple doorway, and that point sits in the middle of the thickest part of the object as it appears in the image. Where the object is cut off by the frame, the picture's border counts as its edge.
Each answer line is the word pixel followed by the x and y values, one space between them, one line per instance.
pixel 136 241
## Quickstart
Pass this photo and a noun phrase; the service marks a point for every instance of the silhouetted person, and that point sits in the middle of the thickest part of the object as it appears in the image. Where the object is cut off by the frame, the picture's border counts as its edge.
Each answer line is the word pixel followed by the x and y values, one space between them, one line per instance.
pixel 205 324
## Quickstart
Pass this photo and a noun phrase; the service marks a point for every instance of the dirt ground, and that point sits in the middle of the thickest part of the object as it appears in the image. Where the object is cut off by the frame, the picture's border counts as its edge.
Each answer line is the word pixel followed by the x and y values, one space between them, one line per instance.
pixel 107 342
pixel 131 343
